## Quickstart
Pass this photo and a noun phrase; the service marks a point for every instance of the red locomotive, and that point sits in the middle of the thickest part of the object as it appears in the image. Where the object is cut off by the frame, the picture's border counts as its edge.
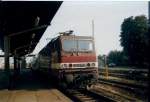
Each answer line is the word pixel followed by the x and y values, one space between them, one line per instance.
pixel 70 59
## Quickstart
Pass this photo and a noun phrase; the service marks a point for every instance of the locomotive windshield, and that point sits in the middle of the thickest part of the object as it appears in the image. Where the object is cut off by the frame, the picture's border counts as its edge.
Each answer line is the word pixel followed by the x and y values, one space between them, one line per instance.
pixel 77 45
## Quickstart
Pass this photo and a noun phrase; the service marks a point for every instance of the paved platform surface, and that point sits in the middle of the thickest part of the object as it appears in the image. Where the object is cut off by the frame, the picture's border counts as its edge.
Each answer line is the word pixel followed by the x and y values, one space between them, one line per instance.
pixel 32 88
pixel 51 95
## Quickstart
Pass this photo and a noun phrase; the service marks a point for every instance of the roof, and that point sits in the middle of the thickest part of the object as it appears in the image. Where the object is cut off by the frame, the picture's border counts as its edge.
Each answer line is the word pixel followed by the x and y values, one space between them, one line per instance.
pixel 25 23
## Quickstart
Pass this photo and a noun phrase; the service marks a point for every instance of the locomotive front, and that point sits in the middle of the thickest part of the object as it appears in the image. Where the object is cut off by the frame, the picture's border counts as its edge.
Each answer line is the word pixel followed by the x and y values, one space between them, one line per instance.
pixel 78 63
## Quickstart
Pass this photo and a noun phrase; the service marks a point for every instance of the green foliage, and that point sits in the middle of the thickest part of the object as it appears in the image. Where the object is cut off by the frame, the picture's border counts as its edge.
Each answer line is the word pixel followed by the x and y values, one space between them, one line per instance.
pixel 118 58
pixel 134 31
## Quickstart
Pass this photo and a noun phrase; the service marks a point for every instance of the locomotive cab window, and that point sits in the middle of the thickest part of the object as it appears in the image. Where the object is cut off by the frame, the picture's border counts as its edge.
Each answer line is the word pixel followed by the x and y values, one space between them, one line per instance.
pixel 69 45
pixel 77 45
pixel 85 45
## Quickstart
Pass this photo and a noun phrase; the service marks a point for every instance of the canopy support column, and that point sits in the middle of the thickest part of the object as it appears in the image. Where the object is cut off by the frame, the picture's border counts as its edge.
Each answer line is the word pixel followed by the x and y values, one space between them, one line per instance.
pixel 6 55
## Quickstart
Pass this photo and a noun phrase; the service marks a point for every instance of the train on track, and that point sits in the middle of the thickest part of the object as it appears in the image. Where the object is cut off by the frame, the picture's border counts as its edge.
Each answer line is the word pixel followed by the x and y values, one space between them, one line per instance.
pixel 69 59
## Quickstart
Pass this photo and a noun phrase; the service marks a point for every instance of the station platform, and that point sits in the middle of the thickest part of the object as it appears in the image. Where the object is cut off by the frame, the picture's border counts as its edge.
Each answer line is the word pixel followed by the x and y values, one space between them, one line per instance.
pixel 47 95
pixel 32 88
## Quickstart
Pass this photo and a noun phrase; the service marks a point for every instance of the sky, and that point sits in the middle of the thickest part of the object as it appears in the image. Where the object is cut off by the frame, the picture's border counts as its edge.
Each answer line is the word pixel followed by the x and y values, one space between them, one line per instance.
pixel 107 16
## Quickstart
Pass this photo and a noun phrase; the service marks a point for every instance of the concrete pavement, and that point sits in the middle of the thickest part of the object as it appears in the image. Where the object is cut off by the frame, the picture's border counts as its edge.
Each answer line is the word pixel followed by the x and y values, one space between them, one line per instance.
pixel 42 95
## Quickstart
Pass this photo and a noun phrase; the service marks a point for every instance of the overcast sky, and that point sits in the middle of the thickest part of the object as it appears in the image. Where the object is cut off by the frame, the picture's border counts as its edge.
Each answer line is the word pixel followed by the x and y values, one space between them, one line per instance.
pixel 107 16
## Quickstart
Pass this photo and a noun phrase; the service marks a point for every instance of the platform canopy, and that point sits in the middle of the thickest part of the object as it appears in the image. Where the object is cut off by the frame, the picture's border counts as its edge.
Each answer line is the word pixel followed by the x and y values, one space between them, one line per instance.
pixel 24 23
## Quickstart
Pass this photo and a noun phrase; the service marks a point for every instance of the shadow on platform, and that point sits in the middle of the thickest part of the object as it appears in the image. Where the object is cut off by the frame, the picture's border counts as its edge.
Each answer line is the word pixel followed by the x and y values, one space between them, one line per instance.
pixel 26 80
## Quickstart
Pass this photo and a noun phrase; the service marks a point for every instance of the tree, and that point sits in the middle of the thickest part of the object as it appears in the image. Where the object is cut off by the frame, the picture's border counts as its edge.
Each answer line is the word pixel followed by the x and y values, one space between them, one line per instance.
pixel 118 58
pixel 133 39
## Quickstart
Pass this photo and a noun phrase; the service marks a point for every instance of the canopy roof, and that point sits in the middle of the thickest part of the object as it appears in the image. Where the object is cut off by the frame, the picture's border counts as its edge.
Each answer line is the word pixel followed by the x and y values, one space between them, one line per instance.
pixel 24 23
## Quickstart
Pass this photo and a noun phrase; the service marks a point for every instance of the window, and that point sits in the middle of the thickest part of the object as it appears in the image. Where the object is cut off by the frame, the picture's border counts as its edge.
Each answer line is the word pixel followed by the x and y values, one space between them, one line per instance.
pixel 69 45
pixel 85 45
pixel 77 45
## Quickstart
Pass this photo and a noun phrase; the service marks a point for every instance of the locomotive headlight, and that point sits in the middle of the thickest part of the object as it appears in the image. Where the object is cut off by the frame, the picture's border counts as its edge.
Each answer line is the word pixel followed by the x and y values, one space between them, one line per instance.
pixel 93 64
pixel 88 64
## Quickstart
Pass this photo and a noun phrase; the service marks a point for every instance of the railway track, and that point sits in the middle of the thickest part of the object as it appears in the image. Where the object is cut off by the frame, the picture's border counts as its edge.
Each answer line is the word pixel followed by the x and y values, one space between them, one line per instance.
pixel 137 77
pixel 131 91
pixel 83 95
pixel 113 95
pixel 133 85
pixel 105 91
pixel 98 94
pixel 127 86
